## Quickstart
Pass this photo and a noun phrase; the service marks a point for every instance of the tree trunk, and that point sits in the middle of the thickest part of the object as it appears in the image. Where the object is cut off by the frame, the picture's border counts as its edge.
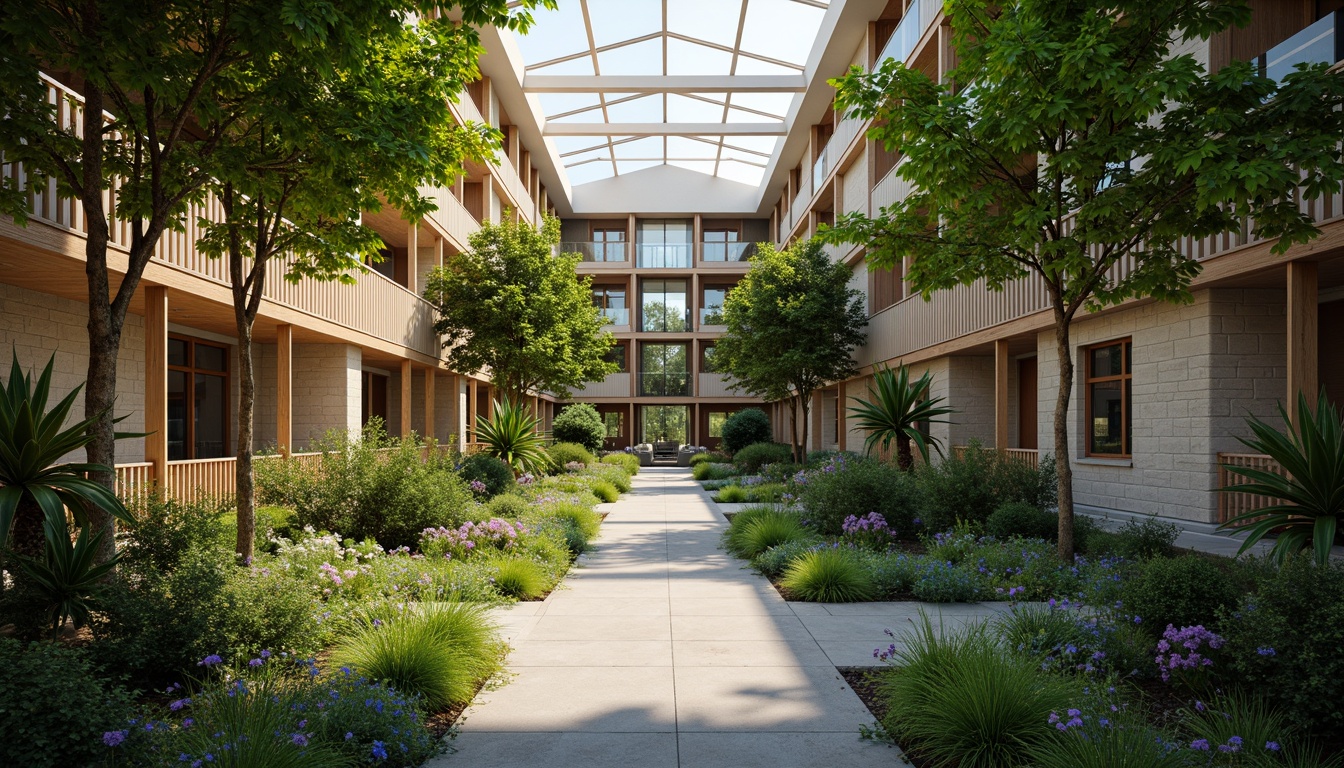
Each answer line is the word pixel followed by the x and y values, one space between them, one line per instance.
pixel 800 450
pixel 793 426
pixel 1062 464
pixel 247 397
pixel 104 326
pixel 905 458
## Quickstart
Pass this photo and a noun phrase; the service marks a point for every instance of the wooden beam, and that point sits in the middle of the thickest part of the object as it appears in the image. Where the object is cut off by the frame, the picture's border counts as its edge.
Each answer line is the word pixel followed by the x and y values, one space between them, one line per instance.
pixel 413 257
pixel 284 388
pixel 406 398
pixel 156 381
pixel 1302 333
pixel 430 382
pixel 841 429
pixel 1001 394
pixel 472 394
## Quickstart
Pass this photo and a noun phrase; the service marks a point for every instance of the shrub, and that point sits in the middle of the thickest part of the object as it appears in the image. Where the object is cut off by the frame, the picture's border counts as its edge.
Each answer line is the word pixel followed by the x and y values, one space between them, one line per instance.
pixel 1140 540
pixel 614 475
pixel 763 532
pixel 265 608
pixel 713 471
pixel 846 487
pixel 491 472
pixel 1284 641
pixel 584 520
pixel 1016 518
pixel 733 494
pixel 1183 592
pixel 969 486
pixel 747 426
pixel 626 461
pixel 521 579
pixel 563 454
pixel 507 506
pixel 1068 639
pixel 437 651
pixel 828 576
pixel 942 582
pixel 53 708
pixel 580 423
pixel 605 491
pixel 774 561
pixel 363 491
pixel 892 574
pixel 965 701
pixel 751 458
pixel 1107 741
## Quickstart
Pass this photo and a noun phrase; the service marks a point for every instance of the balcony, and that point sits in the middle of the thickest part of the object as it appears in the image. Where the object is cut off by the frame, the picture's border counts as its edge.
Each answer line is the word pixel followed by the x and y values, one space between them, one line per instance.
pixel 664 255
pixel 717 385
pixel 1319 43
pixel 616 315
pixel 602 253
pixel 720 252
pixel 614 385
pixel 908 32
pixel 821 168
pixel 664 385
pixel 711 316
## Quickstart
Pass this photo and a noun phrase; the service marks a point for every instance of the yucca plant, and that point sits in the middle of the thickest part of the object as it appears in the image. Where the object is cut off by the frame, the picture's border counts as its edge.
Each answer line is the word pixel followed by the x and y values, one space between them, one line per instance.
pixel 33 486
pixel 1312 494
pixel 894 412
pixel 70 578
pixel 514 435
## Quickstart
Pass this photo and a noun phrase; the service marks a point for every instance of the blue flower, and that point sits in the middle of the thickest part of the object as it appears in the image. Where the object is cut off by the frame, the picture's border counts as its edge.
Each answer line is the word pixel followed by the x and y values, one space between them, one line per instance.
pixel 1272 746
pixel 210 661
pixel 379 752
pixel 1200 744
pixel 113 738
pixel 1266 651
pixel 299 739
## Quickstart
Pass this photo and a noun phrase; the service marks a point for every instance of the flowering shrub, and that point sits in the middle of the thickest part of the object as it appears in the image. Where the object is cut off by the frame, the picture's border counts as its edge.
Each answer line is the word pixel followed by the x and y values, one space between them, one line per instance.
pixel 869 532
pixel 845 487
pixel 470 537
pixel 942 582
pixel 276 712
pixel 1178 653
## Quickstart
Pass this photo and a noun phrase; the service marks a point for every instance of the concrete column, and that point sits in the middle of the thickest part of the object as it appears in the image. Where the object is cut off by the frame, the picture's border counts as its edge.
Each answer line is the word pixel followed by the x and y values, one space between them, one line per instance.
pixel 1302 333
pixel 156 381
pixel 284 388
pixel 1001 363
pixel 472 394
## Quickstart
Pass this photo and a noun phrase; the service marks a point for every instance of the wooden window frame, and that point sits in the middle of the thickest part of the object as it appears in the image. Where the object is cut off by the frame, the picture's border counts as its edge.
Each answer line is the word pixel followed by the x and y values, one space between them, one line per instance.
pixel 190 369
pixel 1125 377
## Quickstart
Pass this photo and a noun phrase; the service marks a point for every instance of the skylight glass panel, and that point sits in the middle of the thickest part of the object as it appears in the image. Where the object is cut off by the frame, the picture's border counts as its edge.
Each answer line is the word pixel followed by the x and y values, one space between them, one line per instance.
pixel 685 58
pixel 593 115
pixel 583 65
pixel 615 21
pixel 648 147
pixel 591 172
pixel 776 104
pixel 685 146
pixel 764 144
pixel 744 174
pixel 781 30
pixel 630 166
pixel 645 109
pixel 559 103
pixel 566 144
pixel 598 153
pixel 729 153
pixel 683 110
pixel 712 20
pixel 557 33
pixel 747 65
pixel 644 58
pixel 742 116
pixel 699 166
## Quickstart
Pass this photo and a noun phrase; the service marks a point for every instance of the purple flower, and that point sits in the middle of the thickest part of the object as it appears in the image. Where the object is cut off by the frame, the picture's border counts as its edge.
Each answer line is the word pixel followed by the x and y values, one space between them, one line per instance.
pixel 113 738
pixel 299 739
pixel 1266 651
pixel 178 704
pixel 210 661
pixel 265 654
pixel 1200 744
pixel 379 752
pixel 1272 746
pixel 255 663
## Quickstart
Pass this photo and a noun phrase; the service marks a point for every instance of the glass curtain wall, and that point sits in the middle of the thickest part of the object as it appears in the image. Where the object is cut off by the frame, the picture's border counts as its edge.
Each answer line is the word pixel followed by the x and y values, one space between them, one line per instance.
pixel 664 308
pixel 663 371
pixel 664 243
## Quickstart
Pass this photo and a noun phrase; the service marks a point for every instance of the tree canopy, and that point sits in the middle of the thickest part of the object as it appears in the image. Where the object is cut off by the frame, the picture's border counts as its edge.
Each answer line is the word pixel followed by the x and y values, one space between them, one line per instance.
pixel 792 326
pixel 1078 142
pixel 513 306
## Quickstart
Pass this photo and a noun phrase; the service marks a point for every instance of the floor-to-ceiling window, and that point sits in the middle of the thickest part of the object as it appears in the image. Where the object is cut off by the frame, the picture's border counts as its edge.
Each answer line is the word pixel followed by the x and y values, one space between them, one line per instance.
pixel 663 423
pixel 663 370
pixel 198 399
pixel 664 243
pixel 663 306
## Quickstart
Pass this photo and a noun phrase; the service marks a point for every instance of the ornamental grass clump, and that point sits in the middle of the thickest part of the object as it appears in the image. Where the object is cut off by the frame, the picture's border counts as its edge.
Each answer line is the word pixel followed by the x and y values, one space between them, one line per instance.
pixel 828 576
pixel 604 491
pixel 765 531
pixel 961 699
pixel 626 461
pixel 733 494
pixel 436 651
pixel 520 579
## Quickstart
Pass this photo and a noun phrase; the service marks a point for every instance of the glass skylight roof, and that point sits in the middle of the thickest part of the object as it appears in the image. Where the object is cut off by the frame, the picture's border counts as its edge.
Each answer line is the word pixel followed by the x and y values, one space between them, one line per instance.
pixel 704 85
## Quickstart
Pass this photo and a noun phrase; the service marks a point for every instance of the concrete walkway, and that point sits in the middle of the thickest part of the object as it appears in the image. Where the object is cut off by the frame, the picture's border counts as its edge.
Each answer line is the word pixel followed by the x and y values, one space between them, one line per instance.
pixel 661 650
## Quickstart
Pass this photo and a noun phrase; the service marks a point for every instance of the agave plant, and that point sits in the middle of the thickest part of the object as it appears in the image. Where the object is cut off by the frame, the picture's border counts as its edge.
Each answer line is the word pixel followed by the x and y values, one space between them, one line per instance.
pixel 1312 494
pixel 894 413
pixel 70 578
pixel 33 486
pixel 514 435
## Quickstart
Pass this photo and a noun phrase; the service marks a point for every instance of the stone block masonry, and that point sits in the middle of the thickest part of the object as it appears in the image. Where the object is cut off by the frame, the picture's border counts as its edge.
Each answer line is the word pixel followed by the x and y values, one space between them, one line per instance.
pixel 328 388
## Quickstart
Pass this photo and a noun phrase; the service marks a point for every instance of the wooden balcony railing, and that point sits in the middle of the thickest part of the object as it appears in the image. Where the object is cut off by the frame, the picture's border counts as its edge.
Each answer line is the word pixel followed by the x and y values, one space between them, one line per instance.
pixel 1029 456
pixel 372 305
pixel 1233 503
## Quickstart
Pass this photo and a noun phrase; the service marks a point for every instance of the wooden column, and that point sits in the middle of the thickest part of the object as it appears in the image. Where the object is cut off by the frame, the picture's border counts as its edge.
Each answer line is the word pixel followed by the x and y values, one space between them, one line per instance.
pixel 536 411
pixel 413 258
pixel 818 418
pixel 284 388
pixel 1302 334
pixel 633 438
pixel 693 434
pixel 406 374
pixel 430 381
pixel 472 393
pixel 1001 362
pixel 156 381
pixel 841 429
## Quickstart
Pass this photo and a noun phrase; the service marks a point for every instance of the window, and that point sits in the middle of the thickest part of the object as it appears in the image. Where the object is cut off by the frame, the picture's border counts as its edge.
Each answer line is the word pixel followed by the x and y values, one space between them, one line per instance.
pixel 615 422
pixel 716 420
pixel 662 370
pixel 609 245
pixel 663 306
pixel 1108 399
pixel 721 245
pixel 611 300
pixel 711 304
pixel 664 243
pixel 617 355
pixel 707 362
pixel 198 399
